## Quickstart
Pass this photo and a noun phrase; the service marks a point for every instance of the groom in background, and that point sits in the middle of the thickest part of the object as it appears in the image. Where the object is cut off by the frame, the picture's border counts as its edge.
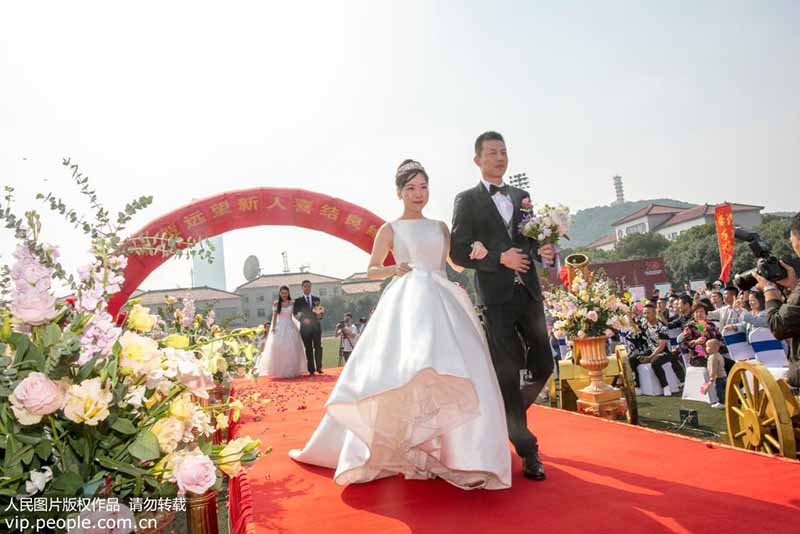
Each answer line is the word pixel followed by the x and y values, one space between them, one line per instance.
pixel 310 327
pixel 507 284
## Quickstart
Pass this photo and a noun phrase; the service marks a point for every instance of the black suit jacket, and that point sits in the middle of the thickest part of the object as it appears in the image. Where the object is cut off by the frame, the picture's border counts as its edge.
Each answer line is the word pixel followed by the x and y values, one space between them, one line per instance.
pixel 302 311
pixel 476 218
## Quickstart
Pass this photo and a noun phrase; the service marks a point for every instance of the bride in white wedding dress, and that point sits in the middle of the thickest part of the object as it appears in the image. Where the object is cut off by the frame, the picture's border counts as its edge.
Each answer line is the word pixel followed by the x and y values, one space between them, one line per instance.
pixel 419 395
pixel 284 355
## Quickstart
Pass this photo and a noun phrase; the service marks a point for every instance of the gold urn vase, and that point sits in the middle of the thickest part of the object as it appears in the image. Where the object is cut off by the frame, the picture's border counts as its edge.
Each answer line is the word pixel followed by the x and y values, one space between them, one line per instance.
pixel 598 398
pixel 201 513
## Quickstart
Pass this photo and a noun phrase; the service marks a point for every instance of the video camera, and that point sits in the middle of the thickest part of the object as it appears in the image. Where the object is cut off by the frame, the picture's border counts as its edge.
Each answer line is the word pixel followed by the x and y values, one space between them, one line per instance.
pixel 767 265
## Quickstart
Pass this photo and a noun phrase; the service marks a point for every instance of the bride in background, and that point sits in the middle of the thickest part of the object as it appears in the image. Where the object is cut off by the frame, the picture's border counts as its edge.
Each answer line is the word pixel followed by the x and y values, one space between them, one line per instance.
pixel 284 355
pixel 419 395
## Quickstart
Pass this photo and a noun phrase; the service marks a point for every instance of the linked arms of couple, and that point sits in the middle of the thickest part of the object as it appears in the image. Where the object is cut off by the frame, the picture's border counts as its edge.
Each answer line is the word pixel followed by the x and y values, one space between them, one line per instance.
pixel 382 247
pixel 469 252
pixel 475 256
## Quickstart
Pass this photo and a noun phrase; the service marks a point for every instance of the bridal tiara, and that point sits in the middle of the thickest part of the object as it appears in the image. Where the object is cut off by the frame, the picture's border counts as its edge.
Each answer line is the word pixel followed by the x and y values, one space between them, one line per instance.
pixel 410 166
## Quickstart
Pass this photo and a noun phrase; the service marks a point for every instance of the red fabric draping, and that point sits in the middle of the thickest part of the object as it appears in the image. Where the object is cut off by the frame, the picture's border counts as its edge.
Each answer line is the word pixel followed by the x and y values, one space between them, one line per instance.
pixel 240 500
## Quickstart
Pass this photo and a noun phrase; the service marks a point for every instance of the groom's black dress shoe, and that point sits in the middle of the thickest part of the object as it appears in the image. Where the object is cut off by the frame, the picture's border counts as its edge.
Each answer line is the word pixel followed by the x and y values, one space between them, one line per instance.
pixel 532 467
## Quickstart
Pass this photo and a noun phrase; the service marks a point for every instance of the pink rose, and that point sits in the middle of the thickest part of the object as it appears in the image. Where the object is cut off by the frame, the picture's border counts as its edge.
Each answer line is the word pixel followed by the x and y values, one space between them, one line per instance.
pixel 526 203
pixel 592 316
pixel 35 397
pixel 194 472
pixel 34 308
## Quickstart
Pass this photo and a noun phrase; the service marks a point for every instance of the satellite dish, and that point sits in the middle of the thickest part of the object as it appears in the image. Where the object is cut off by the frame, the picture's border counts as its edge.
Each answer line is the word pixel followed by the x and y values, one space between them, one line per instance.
pixel 252 269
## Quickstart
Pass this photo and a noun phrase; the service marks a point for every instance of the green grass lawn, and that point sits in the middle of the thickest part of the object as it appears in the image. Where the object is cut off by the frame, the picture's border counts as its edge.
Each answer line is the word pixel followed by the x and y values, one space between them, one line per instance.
pixel 661 413
pixel 330 352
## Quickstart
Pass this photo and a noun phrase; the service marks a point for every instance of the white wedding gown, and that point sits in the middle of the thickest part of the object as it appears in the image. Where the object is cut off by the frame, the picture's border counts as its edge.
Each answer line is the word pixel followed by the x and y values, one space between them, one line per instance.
pixel 284 355
pixel 419 395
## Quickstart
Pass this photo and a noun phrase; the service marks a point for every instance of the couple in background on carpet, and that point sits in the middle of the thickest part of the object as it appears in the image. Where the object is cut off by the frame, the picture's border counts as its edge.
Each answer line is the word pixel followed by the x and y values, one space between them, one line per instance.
pixel 294 341
pixel 425 394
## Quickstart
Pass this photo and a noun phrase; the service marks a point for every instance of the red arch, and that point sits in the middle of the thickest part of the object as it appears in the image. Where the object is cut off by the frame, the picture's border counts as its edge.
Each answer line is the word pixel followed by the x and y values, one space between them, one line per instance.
pixel 252 207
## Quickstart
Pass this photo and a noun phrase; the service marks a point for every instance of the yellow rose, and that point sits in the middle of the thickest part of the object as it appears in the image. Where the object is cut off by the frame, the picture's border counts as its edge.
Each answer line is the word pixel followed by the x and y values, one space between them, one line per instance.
pixel 140 319
pixel 168 432
pixel 170 300
pixel 87 402
pixel 182 408
pixel 176 341
pixel 139 355
pixel 221 364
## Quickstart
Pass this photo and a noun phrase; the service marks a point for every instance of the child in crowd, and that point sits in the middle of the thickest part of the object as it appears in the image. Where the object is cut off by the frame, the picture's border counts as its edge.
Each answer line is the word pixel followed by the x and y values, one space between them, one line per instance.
pixel 716 372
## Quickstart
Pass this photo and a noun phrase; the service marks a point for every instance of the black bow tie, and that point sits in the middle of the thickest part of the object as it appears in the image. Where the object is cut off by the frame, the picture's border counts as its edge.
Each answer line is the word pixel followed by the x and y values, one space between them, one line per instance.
pixel 493 190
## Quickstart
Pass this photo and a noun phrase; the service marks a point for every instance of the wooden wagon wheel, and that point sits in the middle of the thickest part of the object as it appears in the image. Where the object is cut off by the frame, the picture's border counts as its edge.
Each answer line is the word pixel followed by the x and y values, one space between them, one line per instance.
pixel 758 411
pixel 626 383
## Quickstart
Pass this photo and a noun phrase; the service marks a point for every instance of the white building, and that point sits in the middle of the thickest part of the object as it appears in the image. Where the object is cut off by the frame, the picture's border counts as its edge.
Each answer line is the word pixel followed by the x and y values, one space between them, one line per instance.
pixel 226 306
pixel 205 274
pixel 671 222
pixel 259 294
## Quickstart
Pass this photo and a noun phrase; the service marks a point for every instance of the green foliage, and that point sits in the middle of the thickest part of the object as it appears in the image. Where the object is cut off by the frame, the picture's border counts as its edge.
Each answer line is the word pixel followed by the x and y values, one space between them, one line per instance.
pixel 636 246
pixel 694 254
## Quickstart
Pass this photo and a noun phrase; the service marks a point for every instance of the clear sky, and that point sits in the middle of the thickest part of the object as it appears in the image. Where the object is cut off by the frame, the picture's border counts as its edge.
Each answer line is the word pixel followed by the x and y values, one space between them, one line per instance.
pixel 695 100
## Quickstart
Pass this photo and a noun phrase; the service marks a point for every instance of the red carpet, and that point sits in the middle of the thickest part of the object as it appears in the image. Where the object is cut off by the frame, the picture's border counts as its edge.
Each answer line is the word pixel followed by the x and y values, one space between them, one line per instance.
pixel 602 477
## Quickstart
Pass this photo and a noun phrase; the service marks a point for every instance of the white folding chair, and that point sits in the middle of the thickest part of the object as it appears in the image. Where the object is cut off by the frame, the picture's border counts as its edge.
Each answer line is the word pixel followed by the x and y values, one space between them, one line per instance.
pixel 738 347
pixel 695 378
pixel 768 350
pixel 648 382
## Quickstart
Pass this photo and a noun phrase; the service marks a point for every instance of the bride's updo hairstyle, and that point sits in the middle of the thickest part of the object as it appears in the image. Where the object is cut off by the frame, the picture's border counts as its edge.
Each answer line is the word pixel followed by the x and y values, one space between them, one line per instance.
pixel 407 171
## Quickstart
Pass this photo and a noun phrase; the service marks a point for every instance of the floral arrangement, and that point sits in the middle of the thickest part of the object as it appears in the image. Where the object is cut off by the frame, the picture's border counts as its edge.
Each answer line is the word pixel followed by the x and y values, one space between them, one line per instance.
pixel 588 308
pixel 547 225
pixel 319 311
pixel 91 406
pixel 221 350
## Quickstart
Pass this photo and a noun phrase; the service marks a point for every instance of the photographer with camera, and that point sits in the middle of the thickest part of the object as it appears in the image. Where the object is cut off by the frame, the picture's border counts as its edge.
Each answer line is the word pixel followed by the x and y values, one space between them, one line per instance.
pixel 783 318
pixel 348 334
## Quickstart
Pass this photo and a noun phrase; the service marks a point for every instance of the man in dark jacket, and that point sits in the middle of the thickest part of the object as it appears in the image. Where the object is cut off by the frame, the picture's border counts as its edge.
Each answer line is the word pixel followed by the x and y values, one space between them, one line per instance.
pixel 783 318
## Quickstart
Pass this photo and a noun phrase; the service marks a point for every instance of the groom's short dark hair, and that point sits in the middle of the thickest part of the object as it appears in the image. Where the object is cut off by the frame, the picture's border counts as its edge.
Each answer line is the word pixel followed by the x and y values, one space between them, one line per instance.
pixel 486 136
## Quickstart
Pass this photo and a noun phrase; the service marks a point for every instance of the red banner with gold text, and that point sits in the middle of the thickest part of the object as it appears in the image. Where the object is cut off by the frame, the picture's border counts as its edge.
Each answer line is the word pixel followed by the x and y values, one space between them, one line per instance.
pixel 723 215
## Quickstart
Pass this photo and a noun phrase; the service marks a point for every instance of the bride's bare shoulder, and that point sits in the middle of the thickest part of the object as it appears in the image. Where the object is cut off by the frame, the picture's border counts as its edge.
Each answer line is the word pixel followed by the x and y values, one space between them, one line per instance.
pixel 385 231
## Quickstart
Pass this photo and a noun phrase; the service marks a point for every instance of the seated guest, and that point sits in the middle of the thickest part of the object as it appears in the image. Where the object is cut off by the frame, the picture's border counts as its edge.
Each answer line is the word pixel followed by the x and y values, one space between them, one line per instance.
pixel 716 299
pixel 729 313
pixel 744 298
pixel 658 342
pixel 755 318
pixel 694 336
pixel 662 310
pixel 683 312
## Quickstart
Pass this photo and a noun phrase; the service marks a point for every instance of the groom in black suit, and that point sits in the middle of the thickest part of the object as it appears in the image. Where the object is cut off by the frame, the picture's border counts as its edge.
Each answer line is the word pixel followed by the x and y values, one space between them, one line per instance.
pixel 310 327
pixel 489 215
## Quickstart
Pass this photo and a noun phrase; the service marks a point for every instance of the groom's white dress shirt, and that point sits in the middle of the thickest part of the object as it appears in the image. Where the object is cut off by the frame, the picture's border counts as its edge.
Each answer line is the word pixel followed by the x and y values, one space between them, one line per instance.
pixel 503 202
